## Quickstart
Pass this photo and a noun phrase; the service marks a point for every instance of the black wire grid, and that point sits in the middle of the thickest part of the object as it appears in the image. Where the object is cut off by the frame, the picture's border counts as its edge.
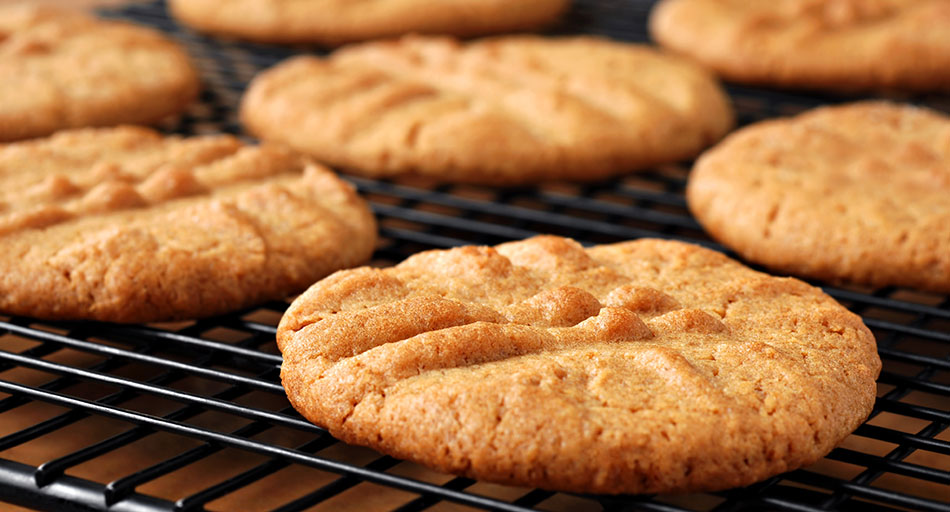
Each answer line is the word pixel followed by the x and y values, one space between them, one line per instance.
pixel 191 416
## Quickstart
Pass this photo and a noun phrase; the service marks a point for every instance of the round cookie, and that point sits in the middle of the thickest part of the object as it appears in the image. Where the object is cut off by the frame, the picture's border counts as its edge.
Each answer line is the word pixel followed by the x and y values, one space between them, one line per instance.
pixel 63 69
pixel 640 367
pixel 501 111
pixel 124 225
pixel 334 22
pixel 854 193
pixel 840 45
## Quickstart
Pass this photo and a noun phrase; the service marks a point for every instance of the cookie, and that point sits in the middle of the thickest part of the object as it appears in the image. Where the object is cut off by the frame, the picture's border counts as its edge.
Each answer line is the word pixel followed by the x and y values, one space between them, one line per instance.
pixel 333 22
pixel 124 225
pixel 501 111
pixel 63 69
pixel 855 193
pixel 639 367
pixel 837 45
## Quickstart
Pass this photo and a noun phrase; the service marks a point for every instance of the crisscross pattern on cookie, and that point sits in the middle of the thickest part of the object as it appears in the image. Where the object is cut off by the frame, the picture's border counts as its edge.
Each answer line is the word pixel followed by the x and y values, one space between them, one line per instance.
pixel 505 110
pixel 124 225
pixel 646 366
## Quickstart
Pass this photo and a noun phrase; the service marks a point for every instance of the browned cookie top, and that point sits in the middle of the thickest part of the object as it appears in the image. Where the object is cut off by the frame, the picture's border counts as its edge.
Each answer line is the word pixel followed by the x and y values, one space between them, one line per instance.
pixel 125 225
pixel 645 366
pixel 856 193
pixel 497 111
pixel 333 22
pixel 63 69
pixel 817 44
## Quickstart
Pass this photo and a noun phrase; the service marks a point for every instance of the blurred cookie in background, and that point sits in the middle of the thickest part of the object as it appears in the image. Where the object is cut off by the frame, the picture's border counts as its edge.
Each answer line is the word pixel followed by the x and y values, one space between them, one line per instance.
pixel 501 111
pixel 61 68
pixel 837 45
pixel 334 22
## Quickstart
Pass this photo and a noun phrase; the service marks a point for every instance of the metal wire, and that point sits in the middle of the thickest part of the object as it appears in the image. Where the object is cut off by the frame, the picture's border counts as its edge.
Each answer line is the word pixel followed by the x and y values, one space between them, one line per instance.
pixel 228 366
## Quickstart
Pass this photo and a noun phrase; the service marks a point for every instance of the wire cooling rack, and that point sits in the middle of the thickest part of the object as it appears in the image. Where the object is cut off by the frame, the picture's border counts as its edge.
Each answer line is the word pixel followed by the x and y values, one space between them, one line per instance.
pixel 191 416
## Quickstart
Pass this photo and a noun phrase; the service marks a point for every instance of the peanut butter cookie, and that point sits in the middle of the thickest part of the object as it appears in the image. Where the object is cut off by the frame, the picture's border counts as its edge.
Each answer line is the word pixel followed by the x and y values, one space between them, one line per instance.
pixel 333 22
pixel 856 193
pixel 501 111
pixel 124 225
pixel 63 69
pixel 640 367
pixel 840 45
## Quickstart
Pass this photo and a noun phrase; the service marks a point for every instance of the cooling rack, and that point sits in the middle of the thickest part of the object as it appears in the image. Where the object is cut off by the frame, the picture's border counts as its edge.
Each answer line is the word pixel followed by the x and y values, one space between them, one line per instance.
pixel 191 416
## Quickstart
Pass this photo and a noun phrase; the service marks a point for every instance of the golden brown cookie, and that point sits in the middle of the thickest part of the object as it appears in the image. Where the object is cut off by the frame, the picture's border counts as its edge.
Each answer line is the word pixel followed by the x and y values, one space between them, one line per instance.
pixel 857 193
pixel 63 69
pixel 639 367
pixel 839 45
pixel 499 111
pixel 333 22
pixel 125 225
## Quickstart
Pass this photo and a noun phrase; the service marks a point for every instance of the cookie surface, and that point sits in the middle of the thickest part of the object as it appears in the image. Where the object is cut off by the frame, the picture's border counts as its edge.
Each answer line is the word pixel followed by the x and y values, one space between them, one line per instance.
pixel 855 193
pixel 62 69
pixel 124 225
pixel 333 22
pixel 639 367
pixel 843 45
pixel 498 111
